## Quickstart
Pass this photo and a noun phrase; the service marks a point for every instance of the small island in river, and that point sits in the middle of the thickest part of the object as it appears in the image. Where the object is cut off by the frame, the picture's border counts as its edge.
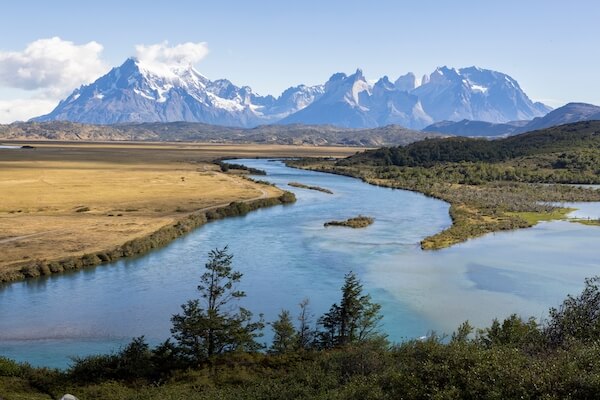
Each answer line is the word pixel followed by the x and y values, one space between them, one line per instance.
pixel 357 222
pixel 303 186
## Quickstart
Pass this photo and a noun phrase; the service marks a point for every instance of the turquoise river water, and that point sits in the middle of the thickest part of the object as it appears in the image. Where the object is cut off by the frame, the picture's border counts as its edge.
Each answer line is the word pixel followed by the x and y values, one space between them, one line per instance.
pixel 287 255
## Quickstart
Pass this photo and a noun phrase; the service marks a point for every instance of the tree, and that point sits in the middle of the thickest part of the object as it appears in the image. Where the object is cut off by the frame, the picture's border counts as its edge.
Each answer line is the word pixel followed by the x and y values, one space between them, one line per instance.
pixel 206 327
pixel 513 331
pixel 355 319
pixel 284 334
pixel 577 318
pixel 305 335
pixel 462 333
pixel 329 336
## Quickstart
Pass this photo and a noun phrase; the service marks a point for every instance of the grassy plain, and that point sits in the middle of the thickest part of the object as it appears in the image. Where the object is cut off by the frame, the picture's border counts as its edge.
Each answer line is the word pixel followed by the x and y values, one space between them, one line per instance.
pixel 70 199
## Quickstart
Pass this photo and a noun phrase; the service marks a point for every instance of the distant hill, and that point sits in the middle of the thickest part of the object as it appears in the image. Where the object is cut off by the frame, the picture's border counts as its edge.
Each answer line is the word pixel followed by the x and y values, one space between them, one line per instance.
pixel 476 128
pixel 392 135
pixel 580 136
pixel 572 112
pixel 569 113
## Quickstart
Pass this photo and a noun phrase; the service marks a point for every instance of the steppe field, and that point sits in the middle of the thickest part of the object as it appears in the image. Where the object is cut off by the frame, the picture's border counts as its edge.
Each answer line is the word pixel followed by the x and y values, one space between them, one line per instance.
pixel 68 199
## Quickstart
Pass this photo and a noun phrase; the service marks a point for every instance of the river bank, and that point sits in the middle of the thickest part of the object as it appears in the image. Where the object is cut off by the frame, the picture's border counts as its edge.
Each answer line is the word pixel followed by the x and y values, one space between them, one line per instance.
pixel 74 205
pixel 286 255
pixel 141 245
pixel 475 210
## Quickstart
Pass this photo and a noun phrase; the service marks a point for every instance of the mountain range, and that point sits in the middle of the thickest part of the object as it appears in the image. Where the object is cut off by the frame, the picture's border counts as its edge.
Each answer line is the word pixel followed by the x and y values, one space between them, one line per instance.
pixel 137 92
pixel 567 114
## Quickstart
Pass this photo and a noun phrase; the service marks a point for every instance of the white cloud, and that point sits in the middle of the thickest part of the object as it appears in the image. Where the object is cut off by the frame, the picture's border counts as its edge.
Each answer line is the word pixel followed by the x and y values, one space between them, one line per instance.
pixel 44 72
pixel 24 109
pixel 162 53
pixel 52 66
pixel 47 70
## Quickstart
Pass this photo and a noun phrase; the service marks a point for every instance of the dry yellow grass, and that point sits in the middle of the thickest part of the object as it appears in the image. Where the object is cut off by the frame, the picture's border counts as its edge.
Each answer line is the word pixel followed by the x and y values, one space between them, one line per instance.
pixel 62 200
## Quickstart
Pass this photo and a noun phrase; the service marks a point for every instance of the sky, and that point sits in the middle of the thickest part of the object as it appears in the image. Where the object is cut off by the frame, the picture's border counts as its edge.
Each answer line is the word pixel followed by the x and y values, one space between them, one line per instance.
pixel 49 48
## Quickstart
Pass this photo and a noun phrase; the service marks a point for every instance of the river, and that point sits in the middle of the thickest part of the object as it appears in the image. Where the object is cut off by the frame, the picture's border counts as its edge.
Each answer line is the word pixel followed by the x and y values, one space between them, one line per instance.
pixel 287 255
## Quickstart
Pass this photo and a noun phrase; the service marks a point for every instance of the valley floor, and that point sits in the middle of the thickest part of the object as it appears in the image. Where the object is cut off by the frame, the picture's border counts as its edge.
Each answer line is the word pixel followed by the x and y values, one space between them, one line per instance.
pixel 71 199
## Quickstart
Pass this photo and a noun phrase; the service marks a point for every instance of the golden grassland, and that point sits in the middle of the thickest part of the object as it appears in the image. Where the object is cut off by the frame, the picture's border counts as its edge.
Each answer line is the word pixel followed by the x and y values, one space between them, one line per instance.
pixel 66 200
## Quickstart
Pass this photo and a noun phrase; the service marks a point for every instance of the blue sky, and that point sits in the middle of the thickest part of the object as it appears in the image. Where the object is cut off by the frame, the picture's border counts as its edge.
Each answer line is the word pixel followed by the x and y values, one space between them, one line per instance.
pixel 550 47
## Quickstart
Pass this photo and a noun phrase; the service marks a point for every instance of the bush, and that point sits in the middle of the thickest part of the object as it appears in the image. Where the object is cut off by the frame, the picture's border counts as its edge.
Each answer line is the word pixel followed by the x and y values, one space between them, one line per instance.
pixel 578 318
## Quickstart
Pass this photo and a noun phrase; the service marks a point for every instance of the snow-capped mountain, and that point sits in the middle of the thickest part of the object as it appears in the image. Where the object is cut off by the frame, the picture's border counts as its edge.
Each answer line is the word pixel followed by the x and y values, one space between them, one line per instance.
pixel 446 94
pixel 344 103
pixel 349 101
pixel 138 92
pixel 476 94
pixel 141 92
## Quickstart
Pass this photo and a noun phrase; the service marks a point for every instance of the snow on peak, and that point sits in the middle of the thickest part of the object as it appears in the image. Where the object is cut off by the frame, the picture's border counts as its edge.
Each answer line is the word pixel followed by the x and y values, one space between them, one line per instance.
pixel 478 88
pixel 169 89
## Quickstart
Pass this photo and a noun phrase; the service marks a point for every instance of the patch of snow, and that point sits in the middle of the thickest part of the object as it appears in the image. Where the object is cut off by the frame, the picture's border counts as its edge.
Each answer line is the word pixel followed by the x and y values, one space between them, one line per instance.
pixel 145 95
pixel 357 88
pixel 510 81
pixel 99 96
pixel 478 88
pixel 225 104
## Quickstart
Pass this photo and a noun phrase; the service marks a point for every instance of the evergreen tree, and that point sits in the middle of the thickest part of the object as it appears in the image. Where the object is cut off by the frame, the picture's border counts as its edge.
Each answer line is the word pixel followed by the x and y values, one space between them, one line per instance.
pixel 206 327
pixel 284 334
pixel 356 319
pixel 329 336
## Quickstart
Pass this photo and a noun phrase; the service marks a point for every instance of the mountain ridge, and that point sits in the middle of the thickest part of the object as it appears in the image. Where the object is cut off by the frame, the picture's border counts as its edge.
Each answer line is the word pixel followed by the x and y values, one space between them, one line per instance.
pixel 569 113
pixel 140 92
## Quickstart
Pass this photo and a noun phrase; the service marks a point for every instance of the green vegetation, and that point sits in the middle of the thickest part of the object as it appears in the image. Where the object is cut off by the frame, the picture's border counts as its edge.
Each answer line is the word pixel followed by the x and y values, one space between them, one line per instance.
pixel 226 166
pixel 357 222
pixel 535 217
pixel 591 222
pixel 491 185
pixel 303 186
pixel 572 147
pixel 207 327
pixel 355 320
pixel 215 355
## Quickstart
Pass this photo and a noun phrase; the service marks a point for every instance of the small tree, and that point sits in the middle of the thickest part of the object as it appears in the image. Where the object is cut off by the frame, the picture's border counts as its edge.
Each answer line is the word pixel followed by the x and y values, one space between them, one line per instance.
pixel 206 327
pixel 513 331
pixel 356 319
pixel 284 334
pixel 462 333
pixel 305 335
pixel 330 335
